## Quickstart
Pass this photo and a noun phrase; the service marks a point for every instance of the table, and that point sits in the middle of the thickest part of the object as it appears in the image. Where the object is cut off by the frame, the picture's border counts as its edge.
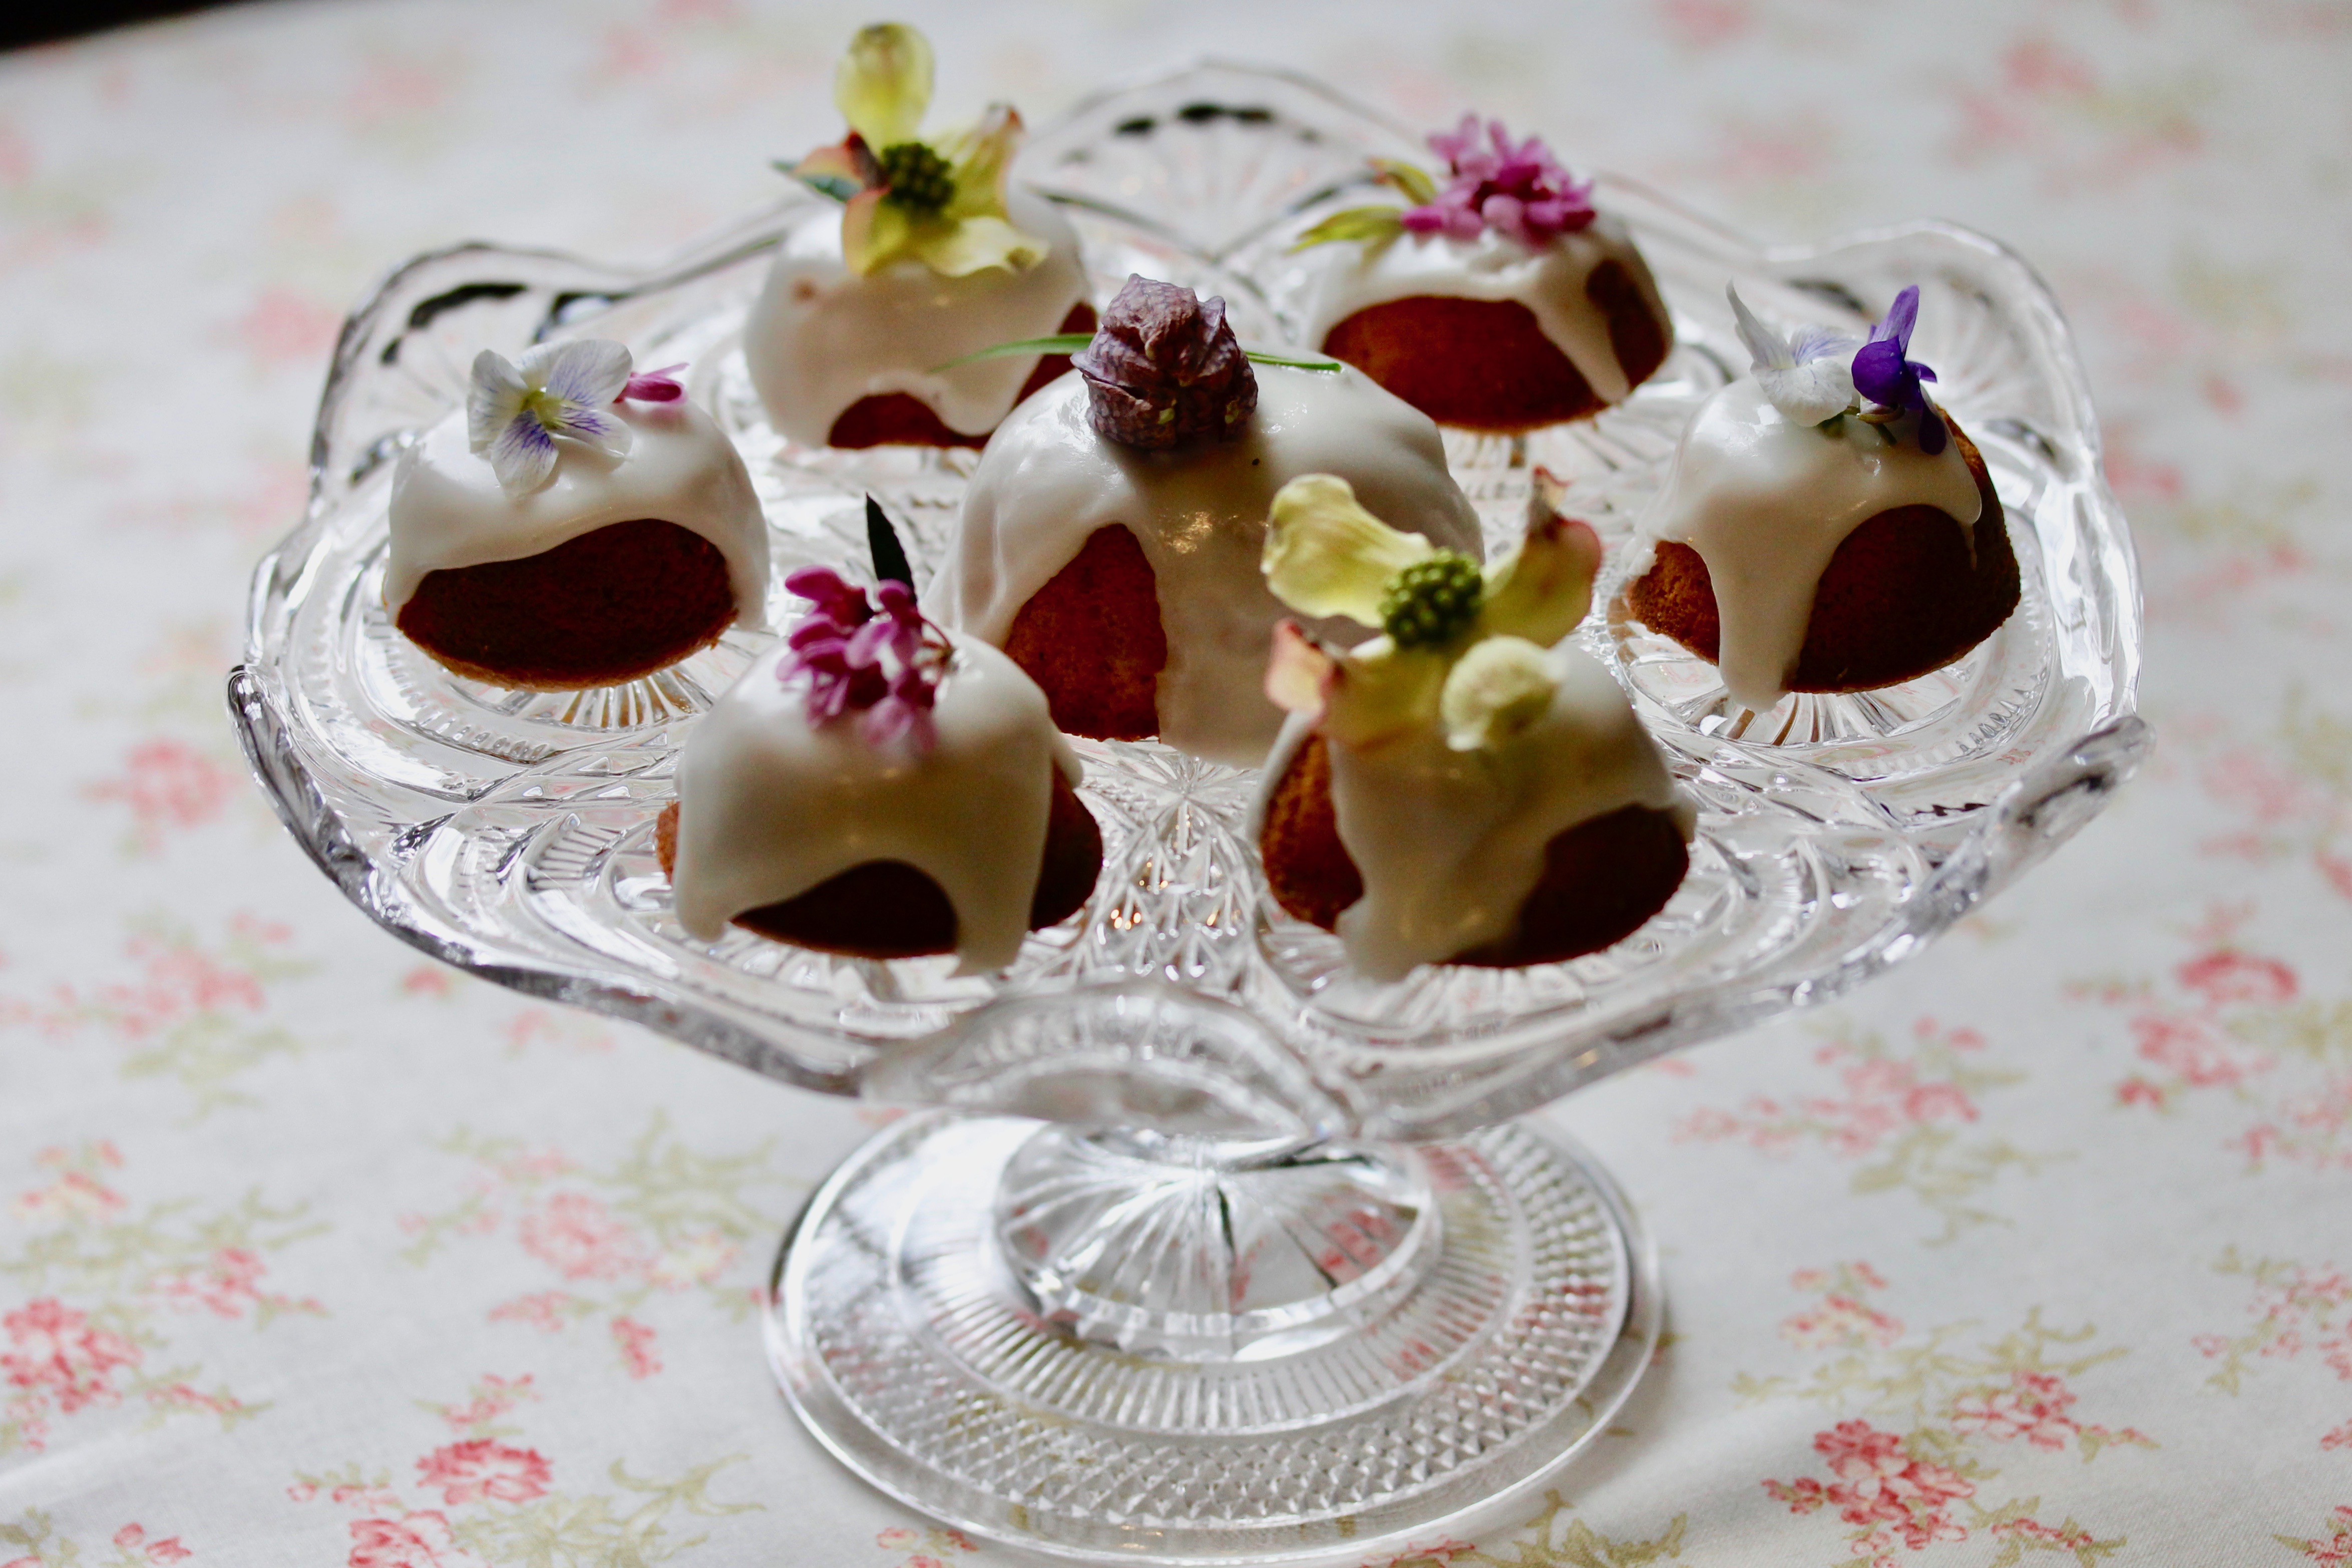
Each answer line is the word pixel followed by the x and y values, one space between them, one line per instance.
pixel 312 1252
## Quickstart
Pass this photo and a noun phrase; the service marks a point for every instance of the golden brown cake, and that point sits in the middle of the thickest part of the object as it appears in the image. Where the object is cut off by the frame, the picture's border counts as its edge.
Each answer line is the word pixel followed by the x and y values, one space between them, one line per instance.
pixel 1110 536
pixel 874 326
pixel 1464 788
pixel 1500 301
pixel 1824 526
pixel 574 526
pixel 902 419
pixel 875 787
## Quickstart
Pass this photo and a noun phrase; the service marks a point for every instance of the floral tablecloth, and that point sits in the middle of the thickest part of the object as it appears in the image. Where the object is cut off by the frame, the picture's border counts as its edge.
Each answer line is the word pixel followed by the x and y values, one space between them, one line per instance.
pixel 313 1252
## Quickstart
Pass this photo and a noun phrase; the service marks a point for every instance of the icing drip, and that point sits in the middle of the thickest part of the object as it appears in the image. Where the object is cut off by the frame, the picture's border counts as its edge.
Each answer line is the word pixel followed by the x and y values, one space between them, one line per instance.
pixel 770 805
pixel 1549 282
pixel 1047 481
pixel 448 511
pixel 821 337
pixel 1766 501
pixel 1450 843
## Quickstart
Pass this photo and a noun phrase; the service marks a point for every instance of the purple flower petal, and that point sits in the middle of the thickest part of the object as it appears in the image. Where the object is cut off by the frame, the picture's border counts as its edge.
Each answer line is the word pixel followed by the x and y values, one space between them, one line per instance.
pixel 585 370
pixel 523 455
pixel 1900 316
pixel 1878 372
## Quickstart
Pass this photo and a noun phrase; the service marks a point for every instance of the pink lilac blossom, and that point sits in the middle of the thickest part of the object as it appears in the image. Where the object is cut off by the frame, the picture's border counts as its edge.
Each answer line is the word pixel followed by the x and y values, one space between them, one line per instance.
pixel 1516 189
pixel 840 645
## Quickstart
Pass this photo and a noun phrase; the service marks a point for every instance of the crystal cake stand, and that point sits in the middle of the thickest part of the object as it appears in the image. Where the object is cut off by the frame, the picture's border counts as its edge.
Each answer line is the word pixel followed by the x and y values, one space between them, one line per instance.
pixel 1209 1250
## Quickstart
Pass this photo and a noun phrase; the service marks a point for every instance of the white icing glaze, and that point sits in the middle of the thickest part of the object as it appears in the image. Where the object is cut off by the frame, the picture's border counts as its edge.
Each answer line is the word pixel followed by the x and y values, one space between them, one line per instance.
pixel 1766 501
pixel 770 805
pixel 821 337
pixel 1450 843
pixel 1047 480
pixel 1549 282
pixel 448 509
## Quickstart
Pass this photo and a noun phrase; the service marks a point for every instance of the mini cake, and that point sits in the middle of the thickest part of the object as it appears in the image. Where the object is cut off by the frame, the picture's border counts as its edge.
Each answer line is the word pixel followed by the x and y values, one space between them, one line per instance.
pixel 932 258
pixel 1110 537
pixel 1466 788
pixel 877 787
pixel 1804 542
pixel 1498 301
pixel 573 525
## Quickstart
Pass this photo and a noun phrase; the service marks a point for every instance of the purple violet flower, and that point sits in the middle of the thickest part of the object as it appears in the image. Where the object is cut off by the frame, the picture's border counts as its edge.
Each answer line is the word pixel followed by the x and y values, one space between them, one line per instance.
pixel 1515 187
pixel 880 659
pixel 655 386
pixel 1883 372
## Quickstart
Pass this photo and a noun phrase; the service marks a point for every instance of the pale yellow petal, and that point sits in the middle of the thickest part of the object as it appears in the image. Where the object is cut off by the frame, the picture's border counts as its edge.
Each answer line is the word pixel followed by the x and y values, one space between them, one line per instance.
pixel 1381 692
pixel 875 233
pixel 1326 555
pixel 1542 589
pixel 883 86
pixel 1494 691
pixel 978 158
pixel 953 248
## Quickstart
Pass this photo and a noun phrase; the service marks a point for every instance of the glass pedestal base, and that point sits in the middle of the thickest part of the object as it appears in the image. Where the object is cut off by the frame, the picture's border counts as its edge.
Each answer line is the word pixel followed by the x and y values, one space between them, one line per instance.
pixel 1485 1304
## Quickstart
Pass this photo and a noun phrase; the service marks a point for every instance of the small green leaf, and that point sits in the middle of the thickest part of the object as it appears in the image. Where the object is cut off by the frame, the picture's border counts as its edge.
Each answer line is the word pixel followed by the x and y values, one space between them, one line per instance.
pixel 1370 225
pixel 1418 187
pixel 840 187
pixel 1059 343
pixel 1325 365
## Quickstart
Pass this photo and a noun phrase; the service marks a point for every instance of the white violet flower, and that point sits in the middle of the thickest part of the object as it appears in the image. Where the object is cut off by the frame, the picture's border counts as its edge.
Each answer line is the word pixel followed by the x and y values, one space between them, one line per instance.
pixel 1810 376
pixel 519 409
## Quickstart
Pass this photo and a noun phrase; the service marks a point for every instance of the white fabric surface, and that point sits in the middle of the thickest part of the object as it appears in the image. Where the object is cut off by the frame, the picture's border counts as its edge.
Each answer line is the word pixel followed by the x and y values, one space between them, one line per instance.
pixel 313 1252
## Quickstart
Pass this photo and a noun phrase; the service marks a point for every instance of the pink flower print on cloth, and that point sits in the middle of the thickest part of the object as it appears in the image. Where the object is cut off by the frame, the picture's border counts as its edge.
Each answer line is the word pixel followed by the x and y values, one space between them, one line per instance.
pixel 1879 1485
pixel 2033 1407
pixel 53 1348
pixel 482 1470
pixel 578 1237
pixel 413 1541
pixel 133 1538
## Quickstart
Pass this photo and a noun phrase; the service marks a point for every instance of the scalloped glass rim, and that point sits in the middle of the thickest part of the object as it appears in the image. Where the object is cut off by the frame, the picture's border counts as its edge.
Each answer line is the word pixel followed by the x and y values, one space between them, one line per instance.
pixel 442 833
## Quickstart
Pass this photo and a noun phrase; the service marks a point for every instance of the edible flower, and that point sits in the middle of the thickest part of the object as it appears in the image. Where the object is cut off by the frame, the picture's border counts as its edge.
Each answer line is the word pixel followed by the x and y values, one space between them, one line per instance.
pixel 517 410
pixel 1164 368
pixel 1809 376
pixel 1463 649
pixel 940 201
pixel 1883 372
pixel 877 657
pixel 655 386
pixel 1516 188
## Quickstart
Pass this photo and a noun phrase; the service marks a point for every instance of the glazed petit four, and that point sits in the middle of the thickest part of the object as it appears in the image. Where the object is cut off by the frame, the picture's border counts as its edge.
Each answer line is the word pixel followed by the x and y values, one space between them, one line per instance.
pixel 573 525
pixel 1110 537
pixel 931 256
pixel 1500 299
pixel 880 787
pixel 1465 787
pixel 1824 526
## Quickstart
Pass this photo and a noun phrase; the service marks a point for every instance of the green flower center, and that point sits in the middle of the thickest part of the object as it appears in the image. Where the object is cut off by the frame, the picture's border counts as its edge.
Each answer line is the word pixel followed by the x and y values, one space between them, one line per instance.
pixel 919 178
pixel 1432 602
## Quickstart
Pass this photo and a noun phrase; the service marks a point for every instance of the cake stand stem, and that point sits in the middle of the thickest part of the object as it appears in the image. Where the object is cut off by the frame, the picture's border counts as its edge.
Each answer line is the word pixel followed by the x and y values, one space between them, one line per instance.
pixel 1176 1349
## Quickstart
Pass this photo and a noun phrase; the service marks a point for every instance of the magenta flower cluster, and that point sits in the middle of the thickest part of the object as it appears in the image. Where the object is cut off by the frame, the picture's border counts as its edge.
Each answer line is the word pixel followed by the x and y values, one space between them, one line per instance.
pixel 1516 187
pixel 878 659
